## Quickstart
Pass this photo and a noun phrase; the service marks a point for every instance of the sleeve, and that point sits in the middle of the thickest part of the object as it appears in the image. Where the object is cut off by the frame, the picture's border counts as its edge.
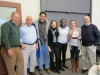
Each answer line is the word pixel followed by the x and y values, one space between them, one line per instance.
pixel 36 31
pixel 96 34
pixel 80 33
pixel 69 34
pixel 48 37
pixel 21 34
pixel 5 30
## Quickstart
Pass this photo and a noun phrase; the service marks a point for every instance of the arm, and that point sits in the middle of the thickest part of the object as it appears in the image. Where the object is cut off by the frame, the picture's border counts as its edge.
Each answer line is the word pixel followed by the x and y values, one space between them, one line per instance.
pixel 69 35
pixel 21 35
pixel 37 45
pixel 79 34
pixel 5 30
pixel 49 41
pixel 96 34
pixel 48 37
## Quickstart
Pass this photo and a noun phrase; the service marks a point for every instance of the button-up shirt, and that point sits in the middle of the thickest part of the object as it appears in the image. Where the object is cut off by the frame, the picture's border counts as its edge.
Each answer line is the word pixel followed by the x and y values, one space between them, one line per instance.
pixel 28 34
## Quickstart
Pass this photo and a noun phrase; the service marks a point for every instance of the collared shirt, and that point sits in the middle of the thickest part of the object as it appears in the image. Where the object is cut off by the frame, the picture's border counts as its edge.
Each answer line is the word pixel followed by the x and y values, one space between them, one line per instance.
pixel 28 34
pixel 14 23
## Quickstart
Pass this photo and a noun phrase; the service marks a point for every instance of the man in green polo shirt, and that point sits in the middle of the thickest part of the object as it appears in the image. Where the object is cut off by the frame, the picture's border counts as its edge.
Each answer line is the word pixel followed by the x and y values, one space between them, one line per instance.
pixel 10 40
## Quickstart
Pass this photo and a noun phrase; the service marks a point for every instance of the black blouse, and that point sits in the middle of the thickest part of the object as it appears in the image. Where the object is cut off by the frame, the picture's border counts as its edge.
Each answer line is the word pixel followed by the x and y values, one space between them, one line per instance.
pixel 50 38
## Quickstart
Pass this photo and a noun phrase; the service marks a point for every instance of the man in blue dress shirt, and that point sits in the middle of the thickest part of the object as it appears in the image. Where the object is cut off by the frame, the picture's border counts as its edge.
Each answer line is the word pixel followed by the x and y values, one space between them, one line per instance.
pixel 29 45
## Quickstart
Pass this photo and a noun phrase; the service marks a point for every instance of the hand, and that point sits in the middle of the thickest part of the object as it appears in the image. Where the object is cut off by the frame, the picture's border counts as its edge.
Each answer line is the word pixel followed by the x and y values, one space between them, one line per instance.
pixel 71 34
pixel 49 49
pixel 10 53
pixel 36 46
pixel 79 38
pixel 23 46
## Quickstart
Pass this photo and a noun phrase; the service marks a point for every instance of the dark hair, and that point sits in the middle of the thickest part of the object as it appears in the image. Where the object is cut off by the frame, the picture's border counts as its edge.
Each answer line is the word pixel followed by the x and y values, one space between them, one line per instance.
pixel 42 13
pixel 56 25
pixel 62 20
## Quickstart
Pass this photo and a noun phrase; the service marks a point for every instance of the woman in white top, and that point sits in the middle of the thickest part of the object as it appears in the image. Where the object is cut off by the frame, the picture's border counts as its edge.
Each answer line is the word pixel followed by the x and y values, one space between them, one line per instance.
pixel 62 39
pixel 74 36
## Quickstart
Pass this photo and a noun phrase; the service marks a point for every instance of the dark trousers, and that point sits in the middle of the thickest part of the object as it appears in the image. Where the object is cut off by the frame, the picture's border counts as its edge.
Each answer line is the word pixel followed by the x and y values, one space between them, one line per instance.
pixel 55 50
pixel 74 52
pixel 63 49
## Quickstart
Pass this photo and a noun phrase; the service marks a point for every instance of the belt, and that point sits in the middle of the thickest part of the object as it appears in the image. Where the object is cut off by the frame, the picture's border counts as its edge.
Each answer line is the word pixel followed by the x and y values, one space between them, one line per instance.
pixel 15 45
pixel 29 44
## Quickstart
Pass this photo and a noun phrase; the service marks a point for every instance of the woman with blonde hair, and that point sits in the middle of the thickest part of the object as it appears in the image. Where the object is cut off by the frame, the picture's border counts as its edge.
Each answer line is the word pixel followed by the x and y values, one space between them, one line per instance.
pixel 74 36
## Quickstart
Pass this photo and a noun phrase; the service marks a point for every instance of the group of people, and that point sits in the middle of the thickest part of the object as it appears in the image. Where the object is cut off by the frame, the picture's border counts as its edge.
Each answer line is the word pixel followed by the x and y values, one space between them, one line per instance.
pixel 40 39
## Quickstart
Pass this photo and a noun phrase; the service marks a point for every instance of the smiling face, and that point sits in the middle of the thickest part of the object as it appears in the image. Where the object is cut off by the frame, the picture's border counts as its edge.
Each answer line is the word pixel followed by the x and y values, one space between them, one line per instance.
pixel 15 18
pixel 42 17
pixel 73 24
pixel 53 24
pixel 86 20
pixel 29 20
pixel 63 22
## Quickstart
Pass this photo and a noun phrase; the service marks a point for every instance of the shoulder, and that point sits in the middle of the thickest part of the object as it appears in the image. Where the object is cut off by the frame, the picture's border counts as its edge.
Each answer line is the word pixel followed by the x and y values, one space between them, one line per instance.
pixel 82 26
pixel 49 31
pixel 78 28
pixel 47 21
pixel 5 25
pixel 69 30
pixel 93 25
pixel 58 27
pixel 36 21
pixel 67 27
pixel 23 26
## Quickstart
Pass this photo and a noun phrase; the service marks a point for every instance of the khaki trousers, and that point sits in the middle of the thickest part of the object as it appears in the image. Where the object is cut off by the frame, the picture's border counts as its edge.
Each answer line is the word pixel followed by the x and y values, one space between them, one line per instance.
pixel 11 62
pixel 29 55
pixel 88 52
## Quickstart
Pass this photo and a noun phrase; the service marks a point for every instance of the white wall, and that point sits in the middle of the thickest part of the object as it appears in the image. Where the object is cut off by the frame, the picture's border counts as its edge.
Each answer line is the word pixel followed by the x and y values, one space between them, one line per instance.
pixel 31 7
pixel 96 13
pixel 28 7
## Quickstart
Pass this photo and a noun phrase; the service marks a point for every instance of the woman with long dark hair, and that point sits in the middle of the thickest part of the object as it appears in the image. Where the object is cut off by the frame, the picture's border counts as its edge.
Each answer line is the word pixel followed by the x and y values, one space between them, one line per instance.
pixel 53 46
pixel 74 37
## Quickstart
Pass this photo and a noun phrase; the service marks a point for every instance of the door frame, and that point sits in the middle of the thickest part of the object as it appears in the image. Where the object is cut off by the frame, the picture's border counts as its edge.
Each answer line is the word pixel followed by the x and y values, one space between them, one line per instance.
pixel 12 5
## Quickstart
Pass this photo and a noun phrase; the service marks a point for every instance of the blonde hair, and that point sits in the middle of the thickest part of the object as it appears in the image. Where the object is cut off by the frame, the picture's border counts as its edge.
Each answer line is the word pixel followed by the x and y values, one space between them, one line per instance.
pixel 74 21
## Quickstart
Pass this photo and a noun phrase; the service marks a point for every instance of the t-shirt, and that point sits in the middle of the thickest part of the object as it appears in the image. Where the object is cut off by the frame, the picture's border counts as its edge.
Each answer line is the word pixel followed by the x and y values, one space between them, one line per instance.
pixel 63 32
pixel 74 39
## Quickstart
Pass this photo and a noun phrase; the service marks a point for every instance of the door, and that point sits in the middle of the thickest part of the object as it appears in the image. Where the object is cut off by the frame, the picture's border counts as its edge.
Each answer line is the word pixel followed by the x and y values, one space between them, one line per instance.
pixel 6 9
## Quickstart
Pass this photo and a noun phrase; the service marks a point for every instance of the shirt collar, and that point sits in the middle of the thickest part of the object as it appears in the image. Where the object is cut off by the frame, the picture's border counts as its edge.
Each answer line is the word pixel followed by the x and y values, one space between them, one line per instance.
pixel 13 23
pixel 88 24
pixel 28 26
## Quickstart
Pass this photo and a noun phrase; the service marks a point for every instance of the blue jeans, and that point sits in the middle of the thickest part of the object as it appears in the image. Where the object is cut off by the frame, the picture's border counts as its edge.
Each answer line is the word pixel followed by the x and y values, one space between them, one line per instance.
pixel 74 52
pixel 43 53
